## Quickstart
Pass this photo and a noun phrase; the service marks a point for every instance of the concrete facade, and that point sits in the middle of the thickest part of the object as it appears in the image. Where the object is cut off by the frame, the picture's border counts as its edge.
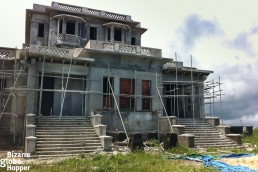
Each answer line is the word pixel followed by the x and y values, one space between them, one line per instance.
pixel 68 54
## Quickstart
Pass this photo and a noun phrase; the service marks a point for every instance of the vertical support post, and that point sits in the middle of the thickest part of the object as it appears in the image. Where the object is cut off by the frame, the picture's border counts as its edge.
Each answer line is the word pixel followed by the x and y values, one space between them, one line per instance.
pixel 213 97
pixel 220 100
pixel 183 90
pixel 41 87
pixel 177 89
pixel 192 90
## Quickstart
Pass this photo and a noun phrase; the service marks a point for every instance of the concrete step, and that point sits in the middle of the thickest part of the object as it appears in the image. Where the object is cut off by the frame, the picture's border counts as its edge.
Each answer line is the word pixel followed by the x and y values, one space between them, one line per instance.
pixel 68 148
pixel 205 134
pixel 201 131
pixel 213 141
pixel 69 135
pixel 85 135
pixel 218 146
pixel 68 152
pixel 54 124
pixel 88 141
pixel 38 128
pixel 63 117
pixel 63 123
pixel 74 131
pixel 68 139
pixel 77 144
pixel 211 138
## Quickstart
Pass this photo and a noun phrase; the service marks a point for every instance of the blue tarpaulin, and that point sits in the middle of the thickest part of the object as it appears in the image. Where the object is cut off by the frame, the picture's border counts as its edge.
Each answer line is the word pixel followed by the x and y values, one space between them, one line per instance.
pixel 212 161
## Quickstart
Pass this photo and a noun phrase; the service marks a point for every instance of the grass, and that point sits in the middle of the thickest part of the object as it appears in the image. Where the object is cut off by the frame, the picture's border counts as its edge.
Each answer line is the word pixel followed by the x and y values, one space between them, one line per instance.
pixel 211 149
pixel 153 143
pixel 179 149
pixel 136 162
pixel 252 139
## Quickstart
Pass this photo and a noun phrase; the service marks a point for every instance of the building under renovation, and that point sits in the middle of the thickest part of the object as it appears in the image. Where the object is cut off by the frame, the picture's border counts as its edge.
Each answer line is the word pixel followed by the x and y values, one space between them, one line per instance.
pixel 78 61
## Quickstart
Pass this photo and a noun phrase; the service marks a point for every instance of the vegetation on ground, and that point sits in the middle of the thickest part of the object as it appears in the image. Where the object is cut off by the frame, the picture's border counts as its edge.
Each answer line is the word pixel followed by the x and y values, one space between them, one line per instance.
pixel 180 149
pixel 252 139
pixel 153 143
pixel 137 162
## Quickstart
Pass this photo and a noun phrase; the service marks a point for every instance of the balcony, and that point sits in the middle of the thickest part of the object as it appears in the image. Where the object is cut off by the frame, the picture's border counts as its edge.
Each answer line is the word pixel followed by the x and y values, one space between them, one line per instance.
pixel 68 39
pixel 7 53
pixel 123 48
pixel 56 55
pixel 51 51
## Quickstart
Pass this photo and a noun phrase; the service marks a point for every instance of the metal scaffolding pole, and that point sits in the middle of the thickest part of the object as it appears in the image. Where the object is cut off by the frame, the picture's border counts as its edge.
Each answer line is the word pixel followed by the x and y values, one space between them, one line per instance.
pixel 177 89
pixel 10 93
pixel 192 91
pixel 213 98
pixel 41 87
pixel 220 100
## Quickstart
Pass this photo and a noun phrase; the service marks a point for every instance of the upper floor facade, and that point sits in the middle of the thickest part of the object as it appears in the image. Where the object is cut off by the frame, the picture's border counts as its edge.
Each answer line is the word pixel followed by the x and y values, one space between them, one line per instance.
pixel 67 26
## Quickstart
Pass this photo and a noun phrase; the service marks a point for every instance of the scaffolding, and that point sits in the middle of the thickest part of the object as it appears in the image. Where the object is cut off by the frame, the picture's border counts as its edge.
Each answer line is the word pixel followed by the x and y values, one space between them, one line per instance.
pixel 180 96
pixel 213 98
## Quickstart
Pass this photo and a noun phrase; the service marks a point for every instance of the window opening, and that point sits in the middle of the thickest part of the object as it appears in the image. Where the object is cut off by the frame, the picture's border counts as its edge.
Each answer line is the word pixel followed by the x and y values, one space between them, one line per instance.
pixel 41 30
pixel 118 34
pixel 108 34
pixel 70 27
pixel 133 41
pixel 127 91
pixel 2 84
pixel 79 29
pixel 146 91
pixel 93 33
pixel 60 26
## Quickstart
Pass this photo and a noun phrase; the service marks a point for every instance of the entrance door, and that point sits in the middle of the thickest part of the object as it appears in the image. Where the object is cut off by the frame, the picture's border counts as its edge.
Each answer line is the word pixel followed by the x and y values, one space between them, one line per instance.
pixel 47 96
pixel 73 102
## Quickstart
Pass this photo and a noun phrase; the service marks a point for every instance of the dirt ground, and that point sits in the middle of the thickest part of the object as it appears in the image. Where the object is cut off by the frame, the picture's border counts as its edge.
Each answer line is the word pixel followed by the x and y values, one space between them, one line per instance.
pixel 251 162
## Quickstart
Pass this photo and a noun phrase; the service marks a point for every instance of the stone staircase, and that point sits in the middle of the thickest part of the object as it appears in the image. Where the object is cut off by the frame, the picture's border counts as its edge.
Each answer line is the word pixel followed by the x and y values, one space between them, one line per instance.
pixel 205 134
pixel 71 135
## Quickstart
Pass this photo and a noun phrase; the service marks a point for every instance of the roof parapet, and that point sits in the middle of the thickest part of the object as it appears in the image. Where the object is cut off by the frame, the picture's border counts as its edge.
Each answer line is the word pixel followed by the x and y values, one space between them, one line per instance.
pixel 90 11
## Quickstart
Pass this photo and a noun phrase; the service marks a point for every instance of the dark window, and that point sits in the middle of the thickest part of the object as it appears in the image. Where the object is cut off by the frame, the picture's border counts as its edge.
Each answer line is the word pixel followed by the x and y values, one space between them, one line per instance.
pixel 79 29
pixel 118 34
pixel 2 84
pixel 70 27
pixel 146 91
pixel 127 91
pixel 108 34
pixel 41 30
pixel 108 101
pixel 133 41
pixel 60 26
pixel 93 33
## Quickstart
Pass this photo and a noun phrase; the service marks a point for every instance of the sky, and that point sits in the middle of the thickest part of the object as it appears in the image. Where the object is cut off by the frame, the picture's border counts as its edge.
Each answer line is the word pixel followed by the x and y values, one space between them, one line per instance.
pixel 221 36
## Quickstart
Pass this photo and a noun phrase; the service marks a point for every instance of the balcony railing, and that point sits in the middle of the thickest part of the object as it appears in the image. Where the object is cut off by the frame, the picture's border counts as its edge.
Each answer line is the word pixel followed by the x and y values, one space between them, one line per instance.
pixel 90 11
pixel 61 52
pixel 68 39
pixel 123 48
pixel 7 53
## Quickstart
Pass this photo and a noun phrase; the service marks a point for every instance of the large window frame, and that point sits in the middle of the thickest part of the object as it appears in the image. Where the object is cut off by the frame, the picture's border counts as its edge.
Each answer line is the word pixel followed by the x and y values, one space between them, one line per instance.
pixel 127 94
pixel 146 93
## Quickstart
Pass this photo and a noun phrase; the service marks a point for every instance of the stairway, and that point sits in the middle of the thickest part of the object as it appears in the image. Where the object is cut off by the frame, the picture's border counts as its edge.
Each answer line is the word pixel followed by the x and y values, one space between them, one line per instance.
pixel 205 134
pixel 71 135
